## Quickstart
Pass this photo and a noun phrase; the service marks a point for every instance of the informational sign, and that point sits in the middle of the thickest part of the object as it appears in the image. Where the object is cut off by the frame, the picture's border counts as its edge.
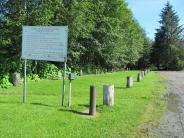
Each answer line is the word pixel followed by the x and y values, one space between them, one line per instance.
pixel 45 43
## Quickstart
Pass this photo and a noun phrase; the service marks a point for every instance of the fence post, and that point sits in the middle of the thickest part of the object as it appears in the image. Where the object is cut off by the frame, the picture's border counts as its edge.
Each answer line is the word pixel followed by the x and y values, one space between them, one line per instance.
pixel 92 106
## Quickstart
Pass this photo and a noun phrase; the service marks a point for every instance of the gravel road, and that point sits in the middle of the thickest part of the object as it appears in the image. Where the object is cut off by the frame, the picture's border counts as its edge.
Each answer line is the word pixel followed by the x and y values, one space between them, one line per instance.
pixel 172 123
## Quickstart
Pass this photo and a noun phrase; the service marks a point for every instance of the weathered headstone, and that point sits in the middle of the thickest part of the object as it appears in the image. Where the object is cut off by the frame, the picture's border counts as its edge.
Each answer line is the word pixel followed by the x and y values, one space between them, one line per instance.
pixel 129 81
pixel 16 79
pixel 139 77
pixel 108 95
pixel 145 72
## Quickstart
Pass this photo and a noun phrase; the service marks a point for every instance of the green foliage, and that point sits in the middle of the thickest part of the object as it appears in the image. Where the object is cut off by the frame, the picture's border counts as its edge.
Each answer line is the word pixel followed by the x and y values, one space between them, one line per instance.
pixel 144 61
pixel 5 81
pixel 180 64
pixel 48 71
pixel 168 41
pixel 102 33
pixel 89 69
pixel 35 78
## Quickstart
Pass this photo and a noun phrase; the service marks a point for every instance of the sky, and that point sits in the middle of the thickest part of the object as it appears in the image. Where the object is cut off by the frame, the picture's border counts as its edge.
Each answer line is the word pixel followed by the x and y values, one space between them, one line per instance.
pixel 147 12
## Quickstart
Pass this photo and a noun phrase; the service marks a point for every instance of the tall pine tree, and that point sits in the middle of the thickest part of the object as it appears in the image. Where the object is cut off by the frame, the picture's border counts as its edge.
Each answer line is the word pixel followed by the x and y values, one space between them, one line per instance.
pixel 165 54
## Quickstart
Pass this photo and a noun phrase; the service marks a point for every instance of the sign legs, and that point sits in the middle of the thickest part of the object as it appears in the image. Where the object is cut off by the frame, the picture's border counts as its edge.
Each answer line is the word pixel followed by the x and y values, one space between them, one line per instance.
pixel 70 94
pixel 24 92
pixel 63 92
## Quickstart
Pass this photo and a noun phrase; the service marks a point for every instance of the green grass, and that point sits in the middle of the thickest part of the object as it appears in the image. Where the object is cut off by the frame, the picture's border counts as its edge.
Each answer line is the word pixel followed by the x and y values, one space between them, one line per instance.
pixel 42 116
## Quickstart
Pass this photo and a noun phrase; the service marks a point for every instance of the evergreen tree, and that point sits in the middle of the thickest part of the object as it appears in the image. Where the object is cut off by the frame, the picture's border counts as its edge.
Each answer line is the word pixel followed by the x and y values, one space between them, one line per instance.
pixel 165 54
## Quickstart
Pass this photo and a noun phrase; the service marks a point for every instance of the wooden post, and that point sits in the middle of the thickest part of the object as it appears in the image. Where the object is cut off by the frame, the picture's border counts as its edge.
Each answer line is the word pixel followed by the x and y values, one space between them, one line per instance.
pixel 108 95
pixel 139 77
pixel 129 81
pixel 92 104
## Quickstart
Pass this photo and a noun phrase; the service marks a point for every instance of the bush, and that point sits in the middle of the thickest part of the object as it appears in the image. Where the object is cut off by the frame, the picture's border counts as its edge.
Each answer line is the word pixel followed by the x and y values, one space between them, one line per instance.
pixel 89 69
pixel 28 78
pixel 180 65
pixel 48 71
pixel 5 81
pixel 35 77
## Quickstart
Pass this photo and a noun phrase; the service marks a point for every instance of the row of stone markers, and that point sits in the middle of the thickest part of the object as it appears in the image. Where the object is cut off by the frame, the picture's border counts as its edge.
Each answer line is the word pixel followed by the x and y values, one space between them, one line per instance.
pixel 108 92
pixel 139 77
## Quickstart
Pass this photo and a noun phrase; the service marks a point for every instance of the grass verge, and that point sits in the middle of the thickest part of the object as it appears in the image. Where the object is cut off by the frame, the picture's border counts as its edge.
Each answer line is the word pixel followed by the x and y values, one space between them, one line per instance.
pixel 42 115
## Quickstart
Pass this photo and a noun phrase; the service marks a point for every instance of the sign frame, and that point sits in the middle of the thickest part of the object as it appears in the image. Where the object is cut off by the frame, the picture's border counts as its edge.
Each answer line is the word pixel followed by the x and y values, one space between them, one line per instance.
pixel 25 58
pixel 45 43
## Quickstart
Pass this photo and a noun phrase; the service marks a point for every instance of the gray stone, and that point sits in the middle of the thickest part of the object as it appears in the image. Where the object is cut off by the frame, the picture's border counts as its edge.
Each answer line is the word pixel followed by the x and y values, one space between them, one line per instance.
pixel 139 77
pixel 16 79
pixel 108 95
pixel 129 81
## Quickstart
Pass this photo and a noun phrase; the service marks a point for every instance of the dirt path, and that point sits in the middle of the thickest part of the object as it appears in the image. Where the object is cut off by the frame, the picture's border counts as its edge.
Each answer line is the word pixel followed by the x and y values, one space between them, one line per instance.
pixel 172 124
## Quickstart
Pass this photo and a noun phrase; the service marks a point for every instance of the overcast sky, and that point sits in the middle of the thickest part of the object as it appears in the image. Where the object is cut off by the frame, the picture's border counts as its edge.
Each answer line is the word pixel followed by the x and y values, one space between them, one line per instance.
pixel 147 12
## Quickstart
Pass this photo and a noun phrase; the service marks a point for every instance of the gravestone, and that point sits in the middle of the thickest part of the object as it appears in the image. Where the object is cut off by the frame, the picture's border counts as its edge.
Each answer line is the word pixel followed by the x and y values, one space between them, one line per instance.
pixel 108 95
pixel 129 81
pixel 139 77
pixel 16 79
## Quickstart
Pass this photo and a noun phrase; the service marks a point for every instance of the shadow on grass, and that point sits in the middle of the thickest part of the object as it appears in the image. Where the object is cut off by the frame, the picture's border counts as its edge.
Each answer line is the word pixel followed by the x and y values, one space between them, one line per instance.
pixel 8 102
pixel 75 112
pixel 120 87
pixel 83 105
pixel 84 113
pixel 41 104
pixel 87 106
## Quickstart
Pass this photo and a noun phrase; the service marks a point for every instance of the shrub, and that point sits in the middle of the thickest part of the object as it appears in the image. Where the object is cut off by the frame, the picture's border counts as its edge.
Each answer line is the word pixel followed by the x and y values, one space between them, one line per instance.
pixel 35 77
pixel 5 82
pixel 180 65
pixel 48 71
pixel 89 69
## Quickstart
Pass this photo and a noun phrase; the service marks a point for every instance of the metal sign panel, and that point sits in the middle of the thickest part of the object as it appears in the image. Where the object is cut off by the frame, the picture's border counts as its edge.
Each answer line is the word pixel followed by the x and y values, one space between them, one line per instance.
pixel 45 43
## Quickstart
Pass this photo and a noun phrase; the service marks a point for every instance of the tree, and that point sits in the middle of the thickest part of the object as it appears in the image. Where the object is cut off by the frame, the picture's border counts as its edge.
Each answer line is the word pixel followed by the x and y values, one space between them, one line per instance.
pixel 102 33
pixel 165 54
pixel 144 61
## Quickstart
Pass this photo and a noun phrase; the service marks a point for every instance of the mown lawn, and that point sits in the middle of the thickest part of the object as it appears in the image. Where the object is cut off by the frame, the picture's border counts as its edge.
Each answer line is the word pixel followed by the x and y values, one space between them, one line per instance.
pixel 42 116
